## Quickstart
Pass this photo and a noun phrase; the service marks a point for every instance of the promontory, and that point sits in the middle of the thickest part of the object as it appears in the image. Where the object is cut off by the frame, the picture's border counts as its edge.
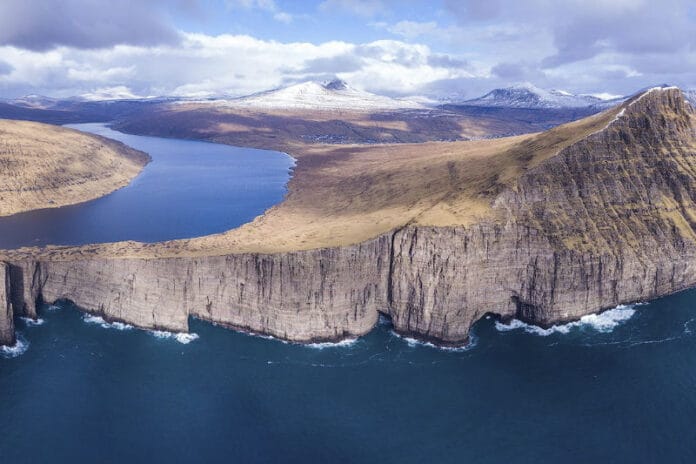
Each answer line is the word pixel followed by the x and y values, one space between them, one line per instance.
pixel 545 227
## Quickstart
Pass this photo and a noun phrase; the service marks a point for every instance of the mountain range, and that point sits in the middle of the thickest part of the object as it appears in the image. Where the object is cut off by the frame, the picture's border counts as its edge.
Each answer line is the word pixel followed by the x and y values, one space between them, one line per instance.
pixel 339 95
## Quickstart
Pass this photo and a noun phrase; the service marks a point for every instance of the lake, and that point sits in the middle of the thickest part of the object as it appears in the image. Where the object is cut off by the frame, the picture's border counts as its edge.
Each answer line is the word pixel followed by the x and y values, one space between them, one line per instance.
pixel 189 189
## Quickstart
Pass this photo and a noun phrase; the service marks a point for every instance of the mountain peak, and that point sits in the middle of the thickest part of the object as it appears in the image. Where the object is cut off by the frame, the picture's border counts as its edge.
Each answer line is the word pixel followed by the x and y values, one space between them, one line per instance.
pixel 529 96
pixel 335 84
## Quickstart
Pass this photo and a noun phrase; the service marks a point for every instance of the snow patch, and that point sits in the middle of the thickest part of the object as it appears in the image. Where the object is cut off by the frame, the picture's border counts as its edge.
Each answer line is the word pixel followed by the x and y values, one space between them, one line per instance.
pixel 603 322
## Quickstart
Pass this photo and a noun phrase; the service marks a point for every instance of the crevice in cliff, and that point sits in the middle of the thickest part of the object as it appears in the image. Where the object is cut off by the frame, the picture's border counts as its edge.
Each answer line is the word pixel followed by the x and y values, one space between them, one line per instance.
pixel 390 275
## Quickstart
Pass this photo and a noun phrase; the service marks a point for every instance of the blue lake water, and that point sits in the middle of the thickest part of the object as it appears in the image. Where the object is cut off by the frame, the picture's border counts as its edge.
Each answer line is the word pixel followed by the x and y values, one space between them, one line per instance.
pixel 85 393
pixel 620 387
pixel 189 189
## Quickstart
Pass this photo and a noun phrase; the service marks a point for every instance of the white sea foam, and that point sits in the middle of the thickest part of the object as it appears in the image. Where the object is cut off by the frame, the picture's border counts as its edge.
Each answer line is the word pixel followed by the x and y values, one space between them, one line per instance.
pixel 180 337
pixel 601 322
pixel 414 342
pixel 33 322
pixel 91 319
pixel 184 338
pixel 53 307
pixel 341 344
pixel 20 346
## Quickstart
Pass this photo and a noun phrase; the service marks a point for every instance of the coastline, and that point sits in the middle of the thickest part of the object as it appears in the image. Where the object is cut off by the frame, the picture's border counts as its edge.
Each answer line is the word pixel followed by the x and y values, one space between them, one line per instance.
pixel 434 281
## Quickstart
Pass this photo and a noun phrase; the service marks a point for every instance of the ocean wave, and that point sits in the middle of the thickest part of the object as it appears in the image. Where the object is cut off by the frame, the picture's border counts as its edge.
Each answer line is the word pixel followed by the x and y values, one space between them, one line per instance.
pixel 33 322
pixel 53 307
pixel 181 337
pixel 414 342
pixel 348 342
pixel 601 322
pixel 92 319
pixel 19 348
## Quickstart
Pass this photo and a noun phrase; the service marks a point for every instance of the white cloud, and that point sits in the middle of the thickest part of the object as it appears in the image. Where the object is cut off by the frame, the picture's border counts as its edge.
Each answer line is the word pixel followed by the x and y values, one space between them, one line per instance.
pixel 366 8
pixel 269 6
pixel 224 64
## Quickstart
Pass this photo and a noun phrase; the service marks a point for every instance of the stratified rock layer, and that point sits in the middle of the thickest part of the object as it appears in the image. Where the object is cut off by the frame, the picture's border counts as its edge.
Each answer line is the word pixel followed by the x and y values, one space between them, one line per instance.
pixel 610 219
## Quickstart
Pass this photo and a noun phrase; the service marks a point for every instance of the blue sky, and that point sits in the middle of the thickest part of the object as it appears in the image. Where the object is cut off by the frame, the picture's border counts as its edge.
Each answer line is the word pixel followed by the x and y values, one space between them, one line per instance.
pixel 434 48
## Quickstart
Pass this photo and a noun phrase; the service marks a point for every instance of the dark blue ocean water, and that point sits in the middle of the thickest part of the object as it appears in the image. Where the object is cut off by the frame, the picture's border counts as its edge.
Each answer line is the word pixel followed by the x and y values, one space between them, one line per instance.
pixel 189 189
pixel 84 393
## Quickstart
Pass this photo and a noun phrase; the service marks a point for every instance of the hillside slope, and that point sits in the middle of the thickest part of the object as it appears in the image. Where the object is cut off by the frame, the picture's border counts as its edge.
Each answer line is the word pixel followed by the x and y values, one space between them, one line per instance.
pixel 43 166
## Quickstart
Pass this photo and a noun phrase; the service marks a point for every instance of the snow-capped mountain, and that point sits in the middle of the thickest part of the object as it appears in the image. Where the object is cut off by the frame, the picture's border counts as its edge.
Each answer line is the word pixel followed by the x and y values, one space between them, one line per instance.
pixel 529 96
pixel 331 95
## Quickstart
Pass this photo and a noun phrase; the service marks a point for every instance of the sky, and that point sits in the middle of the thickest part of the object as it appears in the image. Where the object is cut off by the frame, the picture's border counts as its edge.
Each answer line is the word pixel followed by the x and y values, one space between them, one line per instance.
pixel 437 48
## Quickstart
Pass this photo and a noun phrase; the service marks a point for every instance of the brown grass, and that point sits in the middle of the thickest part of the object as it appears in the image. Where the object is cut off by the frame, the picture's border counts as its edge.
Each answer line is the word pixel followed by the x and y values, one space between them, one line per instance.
pixel 45 166
pixel 342 195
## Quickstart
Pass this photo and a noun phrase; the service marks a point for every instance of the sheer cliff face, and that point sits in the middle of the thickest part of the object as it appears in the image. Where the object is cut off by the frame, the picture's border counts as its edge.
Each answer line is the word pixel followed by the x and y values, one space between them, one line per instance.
pixel 6 320
pixel 610 219
pixel 305 296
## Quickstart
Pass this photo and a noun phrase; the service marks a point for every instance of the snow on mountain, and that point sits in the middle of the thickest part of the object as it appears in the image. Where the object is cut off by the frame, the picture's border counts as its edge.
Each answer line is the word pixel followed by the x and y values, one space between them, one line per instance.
pixel 529 96
pixel 34 101
pixel 331 95
pixel 119 92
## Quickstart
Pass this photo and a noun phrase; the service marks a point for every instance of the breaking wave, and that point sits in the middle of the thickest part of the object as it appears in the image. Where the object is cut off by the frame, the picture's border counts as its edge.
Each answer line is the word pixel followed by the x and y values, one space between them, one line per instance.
pixel 348 342
pixel 19 348
pixel 414 342
pixel 181 337
pixel 602 322
pixel 91 319
pixel 33 322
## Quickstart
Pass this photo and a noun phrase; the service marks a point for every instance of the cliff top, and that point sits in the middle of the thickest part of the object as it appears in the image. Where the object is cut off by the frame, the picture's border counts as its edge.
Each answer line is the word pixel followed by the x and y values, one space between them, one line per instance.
pixel 47 166
pixel 348 194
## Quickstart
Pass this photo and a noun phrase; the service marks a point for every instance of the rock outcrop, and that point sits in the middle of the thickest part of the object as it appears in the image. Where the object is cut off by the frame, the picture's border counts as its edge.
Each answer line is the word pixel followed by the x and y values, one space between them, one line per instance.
pixel 610 219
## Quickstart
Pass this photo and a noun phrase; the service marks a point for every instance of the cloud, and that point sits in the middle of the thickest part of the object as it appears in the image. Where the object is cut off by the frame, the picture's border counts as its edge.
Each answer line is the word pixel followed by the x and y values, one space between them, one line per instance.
pixel 365 8
pixel 203 65
pixel 269 6
pixel 580 30
pixel 332 65
pixel 41 25
pixel 5 68
pixel 413 29
pixel 464 46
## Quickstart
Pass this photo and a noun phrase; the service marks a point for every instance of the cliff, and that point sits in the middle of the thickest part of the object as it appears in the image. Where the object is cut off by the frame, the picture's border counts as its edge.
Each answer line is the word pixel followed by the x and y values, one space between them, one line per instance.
pixel 567 223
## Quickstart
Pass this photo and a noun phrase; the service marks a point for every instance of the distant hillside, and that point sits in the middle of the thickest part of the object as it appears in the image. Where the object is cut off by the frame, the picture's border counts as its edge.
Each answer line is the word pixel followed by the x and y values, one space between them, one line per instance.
pixel 45 166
